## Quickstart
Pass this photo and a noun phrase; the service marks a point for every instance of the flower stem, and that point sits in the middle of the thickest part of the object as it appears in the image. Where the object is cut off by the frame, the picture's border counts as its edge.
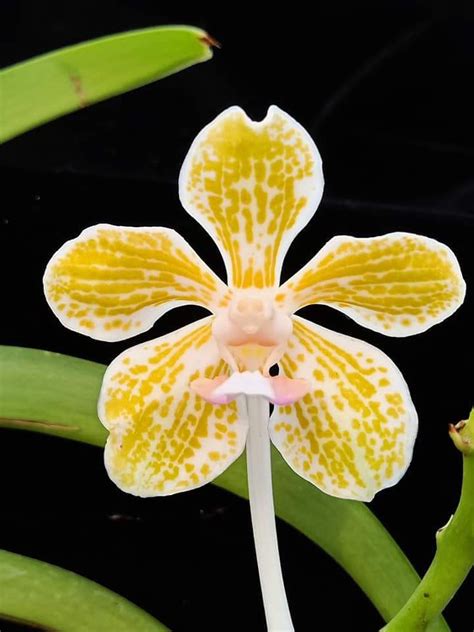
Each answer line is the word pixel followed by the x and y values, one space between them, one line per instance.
pixel 454 553
pixel 263 517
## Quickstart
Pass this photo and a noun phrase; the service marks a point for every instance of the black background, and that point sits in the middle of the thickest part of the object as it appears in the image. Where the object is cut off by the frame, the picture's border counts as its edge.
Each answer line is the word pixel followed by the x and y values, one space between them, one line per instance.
pixel 385 90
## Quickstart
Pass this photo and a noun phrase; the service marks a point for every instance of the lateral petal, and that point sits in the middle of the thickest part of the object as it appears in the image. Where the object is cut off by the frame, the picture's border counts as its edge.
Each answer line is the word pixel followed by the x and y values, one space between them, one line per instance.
pixel 114 282
pixel 398 284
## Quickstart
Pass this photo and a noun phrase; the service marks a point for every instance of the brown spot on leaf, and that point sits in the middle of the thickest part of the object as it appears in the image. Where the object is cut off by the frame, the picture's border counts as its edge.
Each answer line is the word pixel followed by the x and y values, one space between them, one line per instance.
pixel 79 90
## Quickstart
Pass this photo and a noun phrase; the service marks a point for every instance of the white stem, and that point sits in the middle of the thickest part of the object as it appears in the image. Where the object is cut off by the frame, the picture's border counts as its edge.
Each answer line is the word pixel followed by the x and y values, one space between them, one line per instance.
pixel 263 517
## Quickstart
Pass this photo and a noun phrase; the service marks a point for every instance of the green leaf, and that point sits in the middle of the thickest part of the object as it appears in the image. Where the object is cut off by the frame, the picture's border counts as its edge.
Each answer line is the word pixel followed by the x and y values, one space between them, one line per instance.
pixel 61 400
pixel 45 87
pixel 42 594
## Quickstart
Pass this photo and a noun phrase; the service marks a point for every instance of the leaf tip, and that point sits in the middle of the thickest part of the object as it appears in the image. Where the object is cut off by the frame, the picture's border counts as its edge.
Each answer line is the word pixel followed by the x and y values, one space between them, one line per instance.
pixel 210 41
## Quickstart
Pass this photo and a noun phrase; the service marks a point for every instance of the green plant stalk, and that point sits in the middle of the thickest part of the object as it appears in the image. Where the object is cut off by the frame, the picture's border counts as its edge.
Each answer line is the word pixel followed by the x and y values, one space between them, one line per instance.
pixel 38 593
pixel 57 395
pixel 50 393
pixel 45 87
pixel 453 559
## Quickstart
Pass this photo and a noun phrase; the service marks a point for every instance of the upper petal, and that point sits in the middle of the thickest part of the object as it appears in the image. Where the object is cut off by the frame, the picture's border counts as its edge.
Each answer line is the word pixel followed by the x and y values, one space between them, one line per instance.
pixel 398 284
pixel 114 282
pixel 253 186
pixel 353 433
pixel 163 437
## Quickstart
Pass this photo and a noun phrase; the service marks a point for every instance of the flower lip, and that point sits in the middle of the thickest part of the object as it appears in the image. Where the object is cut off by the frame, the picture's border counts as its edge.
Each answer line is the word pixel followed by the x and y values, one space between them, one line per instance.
pixel 279 390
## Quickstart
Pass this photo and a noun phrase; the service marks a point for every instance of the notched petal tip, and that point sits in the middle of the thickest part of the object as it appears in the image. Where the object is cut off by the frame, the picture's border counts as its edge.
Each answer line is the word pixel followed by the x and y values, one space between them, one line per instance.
pixel 253 185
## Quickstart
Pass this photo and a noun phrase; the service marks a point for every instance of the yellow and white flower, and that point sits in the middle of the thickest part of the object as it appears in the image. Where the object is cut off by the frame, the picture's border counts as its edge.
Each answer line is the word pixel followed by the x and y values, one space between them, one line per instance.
pixel 345 421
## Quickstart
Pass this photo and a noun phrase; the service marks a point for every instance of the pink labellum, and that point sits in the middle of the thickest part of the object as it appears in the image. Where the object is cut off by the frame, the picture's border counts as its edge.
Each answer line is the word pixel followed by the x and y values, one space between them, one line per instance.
pixel 246 383
pixel 287 390
pixel 279 390
pixel 206 388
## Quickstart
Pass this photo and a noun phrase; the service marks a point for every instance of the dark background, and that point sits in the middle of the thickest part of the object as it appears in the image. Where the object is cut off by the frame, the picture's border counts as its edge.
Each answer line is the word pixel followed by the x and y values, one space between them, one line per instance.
pixel 385 89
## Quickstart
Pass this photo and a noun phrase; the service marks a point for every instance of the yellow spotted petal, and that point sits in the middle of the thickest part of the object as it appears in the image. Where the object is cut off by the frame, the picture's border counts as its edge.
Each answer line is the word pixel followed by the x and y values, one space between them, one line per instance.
pixel 253 186
pixel 397 284
pixel 113 282
pixel 353 433
pixel 163 437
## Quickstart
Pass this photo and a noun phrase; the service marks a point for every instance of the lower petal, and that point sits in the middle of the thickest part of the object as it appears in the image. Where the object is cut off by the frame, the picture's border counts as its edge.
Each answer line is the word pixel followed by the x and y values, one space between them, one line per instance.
pixel 164 438
pixel 353 433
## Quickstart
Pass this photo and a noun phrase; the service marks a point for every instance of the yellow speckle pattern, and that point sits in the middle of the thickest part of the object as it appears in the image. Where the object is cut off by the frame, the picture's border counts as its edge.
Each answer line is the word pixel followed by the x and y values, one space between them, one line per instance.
pixel 253 186
pixel 353 433
pixel 163 438
pixel 114 282
pixel 398 284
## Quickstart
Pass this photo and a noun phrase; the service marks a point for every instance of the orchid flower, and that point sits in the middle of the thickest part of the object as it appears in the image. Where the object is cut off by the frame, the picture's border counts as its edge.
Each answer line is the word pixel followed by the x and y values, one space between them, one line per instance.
pixel 181 408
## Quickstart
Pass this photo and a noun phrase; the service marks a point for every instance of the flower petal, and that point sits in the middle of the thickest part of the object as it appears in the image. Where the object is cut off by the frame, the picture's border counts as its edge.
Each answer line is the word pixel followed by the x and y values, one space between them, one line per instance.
pixel 397 284
pixel 353 433
pixel 253 186
pixel 164 438
pixel 114 282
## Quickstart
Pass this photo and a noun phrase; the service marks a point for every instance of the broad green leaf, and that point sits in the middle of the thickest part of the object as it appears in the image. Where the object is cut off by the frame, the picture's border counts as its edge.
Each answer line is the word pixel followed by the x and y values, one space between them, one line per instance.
pixel 61 397
pixel 42 594
pixel 61 400
pixel 45 87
